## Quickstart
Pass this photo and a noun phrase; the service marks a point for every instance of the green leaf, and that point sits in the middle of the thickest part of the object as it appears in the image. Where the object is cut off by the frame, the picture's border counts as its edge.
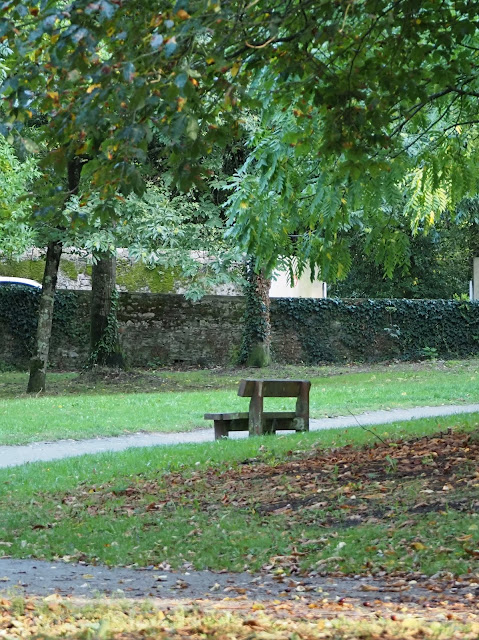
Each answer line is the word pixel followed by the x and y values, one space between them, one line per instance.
pixel 192 128
pixel 181 79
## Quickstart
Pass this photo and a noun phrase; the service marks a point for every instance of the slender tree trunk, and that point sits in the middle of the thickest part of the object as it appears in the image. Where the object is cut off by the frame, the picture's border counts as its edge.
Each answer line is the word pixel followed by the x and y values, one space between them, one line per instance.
pixel 38 363
pixel 474 254
pixel 39 360
pixel 256 348
pixel 104 339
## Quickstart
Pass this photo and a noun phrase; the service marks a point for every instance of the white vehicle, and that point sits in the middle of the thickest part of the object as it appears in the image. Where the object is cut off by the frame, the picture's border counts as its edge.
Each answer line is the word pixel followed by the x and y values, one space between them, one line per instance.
pixel 26 282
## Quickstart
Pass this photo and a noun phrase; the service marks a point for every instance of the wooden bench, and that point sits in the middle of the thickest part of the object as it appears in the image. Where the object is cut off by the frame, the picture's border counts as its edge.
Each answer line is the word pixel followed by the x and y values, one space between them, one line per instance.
pixel 259 422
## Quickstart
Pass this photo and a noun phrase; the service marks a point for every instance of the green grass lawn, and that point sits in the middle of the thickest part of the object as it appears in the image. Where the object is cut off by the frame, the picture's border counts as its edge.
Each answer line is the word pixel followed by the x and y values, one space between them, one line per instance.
pixel 314 501
pixel 83 406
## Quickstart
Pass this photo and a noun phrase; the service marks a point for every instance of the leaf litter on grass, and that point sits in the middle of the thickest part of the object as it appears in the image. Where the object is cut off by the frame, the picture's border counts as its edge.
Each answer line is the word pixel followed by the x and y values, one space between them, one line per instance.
pixel 394 508
pixel 56 617
pixel 419 498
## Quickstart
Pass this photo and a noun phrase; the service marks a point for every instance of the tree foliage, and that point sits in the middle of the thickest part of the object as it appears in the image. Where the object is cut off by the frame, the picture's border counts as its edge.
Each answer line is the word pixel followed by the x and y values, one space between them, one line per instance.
pixel 370 127
pixel 369 120
pixel 98 78
pixel 163 229
pixel 16 235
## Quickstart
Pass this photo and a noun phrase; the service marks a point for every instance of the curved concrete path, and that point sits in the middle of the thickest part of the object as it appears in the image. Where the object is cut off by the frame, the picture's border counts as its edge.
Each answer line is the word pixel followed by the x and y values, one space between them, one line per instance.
pixel 11 456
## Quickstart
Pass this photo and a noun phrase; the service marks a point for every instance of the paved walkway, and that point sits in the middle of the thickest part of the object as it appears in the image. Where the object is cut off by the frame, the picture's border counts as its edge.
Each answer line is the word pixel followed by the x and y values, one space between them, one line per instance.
pixel 45 451
pixel 39 577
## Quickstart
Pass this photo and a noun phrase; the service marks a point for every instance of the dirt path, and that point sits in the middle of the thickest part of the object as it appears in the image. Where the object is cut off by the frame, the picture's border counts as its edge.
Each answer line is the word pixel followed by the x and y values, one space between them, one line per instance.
pixel 45 451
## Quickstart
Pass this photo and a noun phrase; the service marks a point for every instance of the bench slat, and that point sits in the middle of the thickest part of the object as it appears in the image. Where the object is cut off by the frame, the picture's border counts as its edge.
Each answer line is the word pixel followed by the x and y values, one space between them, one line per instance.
pixel 272 388
pixel 269 415
pixel 226 416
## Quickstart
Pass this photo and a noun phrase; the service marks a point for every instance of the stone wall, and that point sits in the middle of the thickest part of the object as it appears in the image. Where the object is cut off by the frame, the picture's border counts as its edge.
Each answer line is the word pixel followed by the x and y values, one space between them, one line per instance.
pixel 165 329
pixel 169 329
pixel 155 329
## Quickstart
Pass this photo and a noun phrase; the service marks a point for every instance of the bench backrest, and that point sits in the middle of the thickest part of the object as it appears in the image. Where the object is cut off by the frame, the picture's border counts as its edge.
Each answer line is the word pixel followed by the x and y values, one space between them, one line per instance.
pixel 273 388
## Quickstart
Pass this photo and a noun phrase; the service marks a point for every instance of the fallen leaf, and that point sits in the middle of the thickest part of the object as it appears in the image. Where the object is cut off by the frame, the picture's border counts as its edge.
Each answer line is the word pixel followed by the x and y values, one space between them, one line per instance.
pixel 330 559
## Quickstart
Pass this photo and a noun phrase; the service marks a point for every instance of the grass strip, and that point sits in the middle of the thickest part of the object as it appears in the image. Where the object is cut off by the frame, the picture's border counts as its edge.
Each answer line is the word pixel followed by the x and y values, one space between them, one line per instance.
pixel 109 404
pixel 339 501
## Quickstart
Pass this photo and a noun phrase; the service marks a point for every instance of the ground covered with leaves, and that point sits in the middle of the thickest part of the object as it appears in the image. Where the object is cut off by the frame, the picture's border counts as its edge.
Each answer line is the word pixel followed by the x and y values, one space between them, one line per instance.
pixel 397 508
pixel 54 617
pixel 389 507
pixel 391 527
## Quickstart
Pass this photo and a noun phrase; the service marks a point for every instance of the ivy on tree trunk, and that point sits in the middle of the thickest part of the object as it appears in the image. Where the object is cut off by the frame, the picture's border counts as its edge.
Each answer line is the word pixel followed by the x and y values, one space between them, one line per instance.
pixel 256 345
pixel 104 339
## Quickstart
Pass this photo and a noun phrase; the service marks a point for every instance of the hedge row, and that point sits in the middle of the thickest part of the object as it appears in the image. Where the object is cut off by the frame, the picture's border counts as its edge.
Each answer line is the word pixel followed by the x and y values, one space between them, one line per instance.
pixel 308 330
pixel 334 330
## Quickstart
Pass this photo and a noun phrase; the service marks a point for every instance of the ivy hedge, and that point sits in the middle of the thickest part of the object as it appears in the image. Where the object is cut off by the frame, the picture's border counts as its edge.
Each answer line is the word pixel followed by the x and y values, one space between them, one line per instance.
pixel 307 330
pixel 18 316
pixel 336 330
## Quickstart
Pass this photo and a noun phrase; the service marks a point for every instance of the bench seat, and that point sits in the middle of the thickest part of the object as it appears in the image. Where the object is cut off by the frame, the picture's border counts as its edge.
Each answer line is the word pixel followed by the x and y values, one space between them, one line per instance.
pixel 272 421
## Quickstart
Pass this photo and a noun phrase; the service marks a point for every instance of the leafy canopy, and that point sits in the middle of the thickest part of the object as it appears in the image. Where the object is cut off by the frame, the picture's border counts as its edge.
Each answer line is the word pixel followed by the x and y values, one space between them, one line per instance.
pixel 98 78
pixel 370 123
pixel 379 99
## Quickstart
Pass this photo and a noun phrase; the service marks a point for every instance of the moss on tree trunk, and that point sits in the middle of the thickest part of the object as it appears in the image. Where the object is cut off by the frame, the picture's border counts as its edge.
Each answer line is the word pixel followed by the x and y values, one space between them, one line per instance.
pixel 104 339
pixel 256 346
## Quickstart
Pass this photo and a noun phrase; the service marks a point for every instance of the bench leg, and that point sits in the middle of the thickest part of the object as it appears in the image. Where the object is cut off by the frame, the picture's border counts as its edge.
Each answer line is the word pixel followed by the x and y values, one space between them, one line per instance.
pixel 269 427
pixel 255 421
pixel 301 422
pixel 299 425
pixel 221 429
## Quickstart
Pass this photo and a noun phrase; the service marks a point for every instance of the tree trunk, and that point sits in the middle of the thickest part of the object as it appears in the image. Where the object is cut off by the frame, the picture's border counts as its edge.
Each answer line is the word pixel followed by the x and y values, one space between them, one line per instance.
pixel 474 254
pixel 38 363
pixel 256 347
pixel 104 339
